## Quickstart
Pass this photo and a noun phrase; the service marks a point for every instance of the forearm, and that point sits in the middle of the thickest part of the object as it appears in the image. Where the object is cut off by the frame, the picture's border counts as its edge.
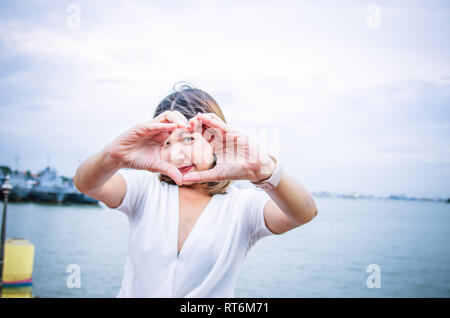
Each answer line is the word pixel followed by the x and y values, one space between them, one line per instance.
pixel 93 173
pixel 289 195
pixel 294 200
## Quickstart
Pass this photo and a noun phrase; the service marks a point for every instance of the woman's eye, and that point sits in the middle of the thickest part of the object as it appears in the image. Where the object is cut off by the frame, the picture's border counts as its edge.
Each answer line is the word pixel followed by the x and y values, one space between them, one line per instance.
pixel 188 137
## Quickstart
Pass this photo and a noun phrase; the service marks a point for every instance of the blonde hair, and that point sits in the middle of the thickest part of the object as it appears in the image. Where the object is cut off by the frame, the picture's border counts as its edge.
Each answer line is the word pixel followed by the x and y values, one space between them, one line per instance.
pixel 189 101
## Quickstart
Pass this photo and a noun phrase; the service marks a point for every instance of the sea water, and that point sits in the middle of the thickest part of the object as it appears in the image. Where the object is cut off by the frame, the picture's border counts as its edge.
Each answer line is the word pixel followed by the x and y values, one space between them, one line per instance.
pixel 408 241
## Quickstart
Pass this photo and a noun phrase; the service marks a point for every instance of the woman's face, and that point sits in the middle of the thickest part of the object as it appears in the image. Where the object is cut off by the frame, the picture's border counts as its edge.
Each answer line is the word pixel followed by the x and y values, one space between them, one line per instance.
pixel 187 149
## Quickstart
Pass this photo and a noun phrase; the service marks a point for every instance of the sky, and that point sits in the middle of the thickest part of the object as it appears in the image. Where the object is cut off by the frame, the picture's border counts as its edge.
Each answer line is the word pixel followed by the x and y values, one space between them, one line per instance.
pixel 352 96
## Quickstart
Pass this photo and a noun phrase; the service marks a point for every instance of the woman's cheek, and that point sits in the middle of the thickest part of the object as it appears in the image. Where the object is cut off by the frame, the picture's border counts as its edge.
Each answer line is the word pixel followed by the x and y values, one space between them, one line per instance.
pixel 195 157
pixel 164 156
pixel 208 155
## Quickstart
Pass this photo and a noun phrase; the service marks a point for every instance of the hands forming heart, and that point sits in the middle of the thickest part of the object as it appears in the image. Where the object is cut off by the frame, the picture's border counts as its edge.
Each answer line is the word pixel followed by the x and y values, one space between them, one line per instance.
pixel 237 158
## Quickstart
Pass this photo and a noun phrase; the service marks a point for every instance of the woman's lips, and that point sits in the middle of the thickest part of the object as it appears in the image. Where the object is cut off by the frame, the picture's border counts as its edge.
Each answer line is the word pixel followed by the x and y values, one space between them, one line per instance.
pixel 185 168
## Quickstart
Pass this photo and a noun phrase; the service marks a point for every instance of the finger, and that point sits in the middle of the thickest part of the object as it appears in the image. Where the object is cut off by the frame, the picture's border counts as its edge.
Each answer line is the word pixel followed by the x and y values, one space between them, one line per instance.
pixel 169 170
pixel 161 117
pixel 195 125
pixel 155 126
pixel 172 117
pixel 212 115
pixel 212 122
pixel 198 123
pixel 216 117
pixel 214 129
pixel 202 176
pixel 181 118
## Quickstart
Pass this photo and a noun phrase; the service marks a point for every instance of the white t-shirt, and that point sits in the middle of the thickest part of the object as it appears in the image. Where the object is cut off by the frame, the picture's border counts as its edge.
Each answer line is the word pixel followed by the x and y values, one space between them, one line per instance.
pixel 209 261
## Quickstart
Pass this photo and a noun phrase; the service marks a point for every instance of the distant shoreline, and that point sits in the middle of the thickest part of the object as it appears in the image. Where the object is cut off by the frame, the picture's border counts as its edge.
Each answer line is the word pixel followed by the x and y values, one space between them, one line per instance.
pixel 323 194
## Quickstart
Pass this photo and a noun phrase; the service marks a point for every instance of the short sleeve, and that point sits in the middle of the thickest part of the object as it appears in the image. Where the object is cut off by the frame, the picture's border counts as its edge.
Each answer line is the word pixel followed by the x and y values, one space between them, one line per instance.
pixel 138 183
pixel 255 202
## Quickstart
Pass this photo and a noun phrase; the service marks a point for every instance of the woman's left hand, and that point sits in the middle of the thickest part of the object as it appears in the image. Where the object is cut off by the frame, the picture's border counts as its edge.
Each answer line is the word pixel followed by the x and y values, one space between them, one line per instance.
pixel 238 158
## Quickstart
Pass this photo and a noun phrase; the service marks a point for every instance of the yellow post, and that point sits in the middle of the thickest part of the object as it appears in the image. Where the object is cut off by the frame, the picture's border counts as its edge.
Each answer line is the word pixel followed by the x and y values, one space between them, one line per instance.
pixel 18 268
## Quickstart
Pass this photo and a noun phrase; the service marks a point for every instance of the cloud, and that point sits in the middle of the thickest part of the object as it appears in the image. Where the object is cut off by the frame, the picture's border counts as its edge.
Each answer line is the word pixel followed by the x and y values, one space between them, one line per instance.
pixel 347 101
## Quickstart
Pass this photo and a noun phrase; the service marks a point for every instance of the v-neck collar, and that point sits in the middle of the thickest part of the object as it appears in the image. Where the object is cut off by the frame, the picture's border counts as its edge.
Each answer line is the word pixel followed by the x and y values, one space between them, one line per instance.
pixel 196 224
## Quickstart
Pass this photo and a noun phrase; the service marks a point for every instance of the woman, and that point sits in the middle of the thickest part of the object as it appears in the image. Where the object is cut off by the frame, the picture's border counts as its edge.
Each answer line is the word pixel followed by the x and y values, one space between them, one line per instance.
pixel 190 227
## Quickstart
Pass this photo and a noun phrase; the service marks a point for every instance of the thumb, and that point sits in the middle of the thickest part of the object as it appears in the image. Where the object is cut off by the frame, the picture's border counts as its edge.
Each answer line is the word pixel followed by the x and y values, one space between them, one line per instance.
pixel 169 170
pixel 202 176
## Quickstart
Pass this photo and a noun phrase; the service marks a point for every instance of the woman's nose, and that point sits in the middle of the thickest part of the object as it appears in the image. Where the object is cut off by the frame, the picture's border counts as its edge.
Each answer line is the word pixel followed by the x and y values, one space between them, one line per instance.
pixel 177 154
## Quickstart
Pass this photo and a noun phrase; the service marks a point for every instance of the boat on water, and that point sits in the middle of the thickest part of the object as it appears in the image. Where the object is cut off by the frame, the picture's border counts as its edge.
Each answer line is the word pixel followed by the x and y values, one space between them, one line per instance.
pixel 46 187
pixel 50 194
pixel 50 187
pixel 78 197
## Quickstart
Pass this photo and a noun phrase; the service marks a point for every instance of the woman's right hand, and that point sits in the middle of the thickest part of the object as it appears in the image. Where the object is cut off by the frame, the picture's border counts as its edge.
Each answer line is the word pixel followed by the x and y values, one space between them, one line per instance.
pixel 140 146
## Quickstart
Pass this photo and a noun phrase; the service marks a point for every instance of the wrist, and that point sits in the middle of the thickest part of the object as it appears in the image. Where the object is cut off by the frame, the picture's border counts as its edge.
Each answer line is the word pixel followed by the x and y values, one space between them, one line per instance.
pixel 266 170
pixel 274 179
pixel 110 161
